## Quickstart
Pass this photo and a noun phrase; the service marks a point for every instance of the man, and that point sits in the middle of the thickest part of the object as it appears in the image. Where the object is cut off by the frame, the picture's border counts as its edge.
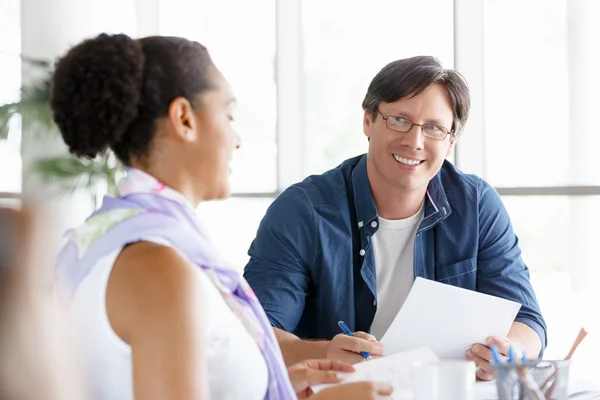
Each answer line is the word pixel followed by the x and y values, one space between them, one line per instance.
pixel 348 244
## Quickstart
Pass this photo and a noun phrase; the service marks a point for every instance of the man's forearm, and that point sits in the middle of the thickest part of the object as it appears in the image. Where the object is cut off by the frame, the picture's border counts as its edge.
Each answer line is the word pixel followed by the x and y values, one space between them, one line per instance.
pixel 525 339
pixel 295 349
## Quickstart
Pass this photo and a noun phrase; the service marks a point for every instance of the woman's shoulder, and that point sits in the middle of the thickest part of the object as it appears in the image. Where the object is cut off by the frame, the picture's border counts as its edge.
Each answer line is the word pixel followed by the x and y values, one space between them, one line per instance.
pixel 150 283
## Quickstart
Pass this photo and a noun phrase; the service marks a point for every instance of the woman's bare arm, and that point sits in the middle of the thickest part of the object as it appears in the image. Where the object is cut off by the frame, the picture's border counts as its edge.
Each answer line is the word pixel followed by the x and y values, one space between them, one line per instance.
pixel 154 303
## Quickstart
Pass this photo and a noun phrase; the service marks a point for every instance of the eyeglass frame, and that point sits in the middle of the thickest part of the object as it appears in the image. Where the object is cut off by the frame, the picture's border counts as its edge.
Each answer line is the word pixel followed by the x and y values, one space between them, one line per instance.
pixel 412 124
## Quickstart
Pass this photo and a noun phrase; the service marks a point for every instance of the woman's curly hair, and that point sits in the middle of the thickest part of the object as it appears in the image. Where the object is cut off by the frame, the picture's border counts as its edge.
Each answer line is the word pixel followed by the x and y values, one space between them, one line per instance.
pixel 107 92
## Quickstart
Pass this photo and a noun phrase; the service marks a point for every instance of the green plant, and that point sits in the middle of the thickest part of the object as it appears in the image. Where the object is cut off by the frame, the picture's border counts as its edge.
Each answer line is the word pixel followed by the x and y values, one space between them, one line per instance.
pixel 34 105
pixel 66 173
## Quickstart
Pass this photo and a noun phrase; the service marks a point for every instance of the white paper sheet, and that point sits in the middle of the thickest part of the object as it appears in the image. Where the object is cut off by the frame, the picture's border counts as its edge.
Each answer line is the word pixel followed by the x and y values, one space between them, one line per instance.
pixel 395 370
pixel 447 319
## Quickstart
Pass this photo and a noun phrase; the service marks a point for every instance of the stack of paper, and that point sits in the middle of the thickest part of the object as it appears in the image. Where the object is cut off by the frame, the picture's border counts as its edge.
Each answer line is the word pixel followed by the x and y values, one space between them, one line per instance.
pixel 395 370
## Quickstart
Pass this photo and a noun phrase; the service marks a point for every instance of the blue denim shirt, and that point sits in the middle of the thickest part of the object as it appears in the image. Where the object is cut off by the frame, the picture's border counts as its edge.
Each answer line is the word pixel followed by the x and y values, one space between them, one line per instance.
pixel 311 263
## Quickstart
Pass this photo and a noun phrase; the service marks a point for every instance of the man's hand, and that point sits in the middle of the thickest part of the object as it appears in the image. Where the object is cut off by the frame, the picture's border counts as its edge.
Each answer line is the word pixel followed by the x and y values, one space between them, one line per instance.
pixel 307 373
pixel 342 347
pixel 482 356
pixel 347 348
pixel 523 339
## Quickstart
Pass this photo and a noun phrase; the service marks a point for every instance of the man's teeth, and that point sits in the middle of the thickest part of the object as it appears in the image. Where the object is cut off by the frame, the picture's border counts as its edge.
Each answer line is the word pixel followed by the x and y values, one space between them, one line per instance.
pixel 406 160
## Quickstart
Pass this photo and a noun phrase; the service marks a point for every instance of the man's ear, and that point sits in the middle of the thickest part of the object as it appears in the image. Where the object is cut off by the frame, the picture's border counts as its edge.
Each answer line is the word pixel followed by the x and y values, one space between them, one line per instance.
pixel 367 124
pixel 453 140
pixel 182 119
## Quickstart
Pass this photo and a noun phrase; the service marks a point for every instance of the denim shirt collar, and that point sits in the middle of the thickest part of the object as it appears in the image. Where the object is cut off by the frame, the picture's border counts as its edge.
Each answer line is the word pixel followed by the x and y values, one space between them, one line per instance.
pixel 363 199
pixel 437 206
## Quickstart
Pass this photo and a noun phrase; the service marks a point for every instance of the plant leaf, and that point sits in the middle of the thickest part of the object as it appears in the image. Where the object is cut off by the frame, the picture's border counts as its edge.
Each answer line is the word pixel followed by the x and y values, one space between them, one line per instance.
pixel 38 92
pixel 68 173
pixel 6 113
pixel 36 62
pixel 3 129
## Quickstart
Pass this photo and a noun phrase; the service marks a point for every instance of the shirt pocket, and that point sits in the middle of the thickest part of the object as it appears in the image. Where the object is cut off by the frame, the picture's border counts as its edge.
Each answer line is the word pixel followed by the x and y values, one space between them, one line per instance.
pixel 462 274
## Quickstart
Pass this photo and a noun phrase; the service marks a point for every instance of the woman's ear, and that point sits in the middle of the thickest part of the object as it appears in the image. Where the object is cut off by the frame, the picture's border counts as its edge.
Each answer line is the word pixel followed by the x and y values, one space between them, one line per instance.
pixel 182 119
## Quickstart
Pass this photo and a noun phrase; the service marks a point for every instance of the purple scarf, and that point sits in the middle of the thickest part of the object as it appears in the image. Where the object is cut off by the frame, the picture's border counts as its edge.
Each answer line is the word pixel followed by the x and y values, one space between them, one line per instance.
pixel 149 209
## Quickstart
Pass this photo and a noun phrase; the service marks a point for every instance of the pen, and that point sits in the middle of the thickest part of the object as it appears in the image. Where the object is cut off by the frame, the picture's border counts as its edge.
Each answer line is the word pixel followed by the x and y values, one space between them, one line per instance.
pixel 511 355
pixel 495 356
pixel 496 362
pixel 348 332
pixel 532 389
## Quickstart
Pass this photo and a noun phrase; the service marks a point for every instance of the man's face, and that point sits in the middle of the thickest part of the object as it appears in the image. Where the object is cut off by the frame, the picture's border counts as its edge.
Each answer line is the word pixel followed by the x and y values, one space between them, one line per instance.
pixel 409 160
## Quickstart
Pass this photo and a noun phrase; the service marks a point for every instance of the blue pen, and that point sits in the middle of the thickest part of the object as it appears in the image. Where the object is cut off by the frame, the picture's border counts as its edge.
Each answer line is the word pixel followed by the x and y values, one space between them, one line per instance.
pixel 348 332
pixel 495 356
pixel 511 355
pixel 497 362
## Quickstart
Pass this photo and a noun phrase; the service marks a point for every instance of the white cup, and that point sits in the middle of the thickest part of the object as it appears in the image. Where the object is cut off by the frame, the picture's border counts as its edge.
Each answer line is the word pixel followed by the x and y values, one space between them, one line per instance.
pixel 443 380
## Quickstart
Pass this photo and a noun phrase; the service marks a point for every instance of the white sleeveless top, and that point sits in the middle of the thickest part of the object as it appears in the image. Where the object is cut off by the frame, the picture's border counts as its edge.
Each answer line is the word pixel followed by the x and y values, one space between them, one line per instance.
pixel 236 367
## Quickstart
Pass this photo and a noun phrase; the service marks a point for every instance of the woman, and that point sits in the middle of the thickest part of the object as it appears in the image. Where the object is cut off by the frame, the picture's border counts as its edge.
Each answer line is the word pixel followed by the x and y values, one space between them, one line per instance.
pixel 163 317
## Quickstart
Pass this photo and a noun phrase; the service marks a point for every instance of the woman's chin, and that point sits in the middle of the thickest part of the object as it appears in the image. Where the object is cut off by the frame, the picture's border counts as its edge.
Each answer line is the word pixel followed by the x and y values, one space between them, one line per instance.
pixel 220 189
pixel 223 192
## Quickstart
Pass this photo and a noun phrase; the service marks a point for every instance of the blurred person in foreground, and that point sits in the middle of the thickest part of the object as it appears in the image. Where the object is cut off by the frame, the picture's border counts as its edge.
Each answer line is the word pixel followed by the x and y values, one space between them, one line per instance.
pixel 161 314
pixel 36 360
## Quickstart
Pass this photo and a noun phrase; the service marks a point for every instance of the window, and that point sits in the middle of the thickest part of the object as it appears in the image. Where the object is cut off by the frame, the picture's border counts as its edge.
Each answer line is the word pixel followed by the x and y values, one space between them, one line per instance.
pixel 242 45
pixel 232 225
pixel 539 104
pixel 534 110
pixel 547 229
pixel 532 134
pixel 345 45
pixel 10 81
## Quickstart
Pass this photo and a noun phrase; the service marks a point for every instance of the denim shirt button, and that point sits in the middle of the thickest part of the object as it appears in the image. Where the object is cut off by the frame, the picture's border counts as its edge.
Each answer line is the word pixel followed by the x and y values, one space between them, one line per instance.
pixel 375 303
pixel 360 224
pixel 361 252
pixel 374 224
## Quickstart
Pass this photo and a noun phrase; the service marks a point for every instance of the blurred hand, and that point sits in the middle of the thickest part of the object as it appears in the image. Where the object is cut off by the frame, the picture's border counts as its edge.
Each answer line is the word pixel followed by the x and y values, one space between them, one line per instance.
pixel 307 373
pixel 356 391
pixel 347 348
pixel 481 355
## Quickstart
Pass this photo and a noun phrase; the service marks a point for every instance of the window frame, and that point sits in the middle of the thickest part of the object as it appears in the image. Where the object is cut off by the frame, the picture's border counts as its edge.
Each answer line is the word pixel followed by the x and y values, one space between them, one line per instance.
pixel 470 149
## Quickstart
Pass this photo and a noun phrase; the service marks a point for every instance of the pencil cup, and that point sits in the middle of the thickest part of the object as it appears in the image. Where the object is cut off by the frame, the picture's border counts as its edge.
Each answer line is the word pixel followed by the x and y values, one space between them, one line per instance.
pixel 533 380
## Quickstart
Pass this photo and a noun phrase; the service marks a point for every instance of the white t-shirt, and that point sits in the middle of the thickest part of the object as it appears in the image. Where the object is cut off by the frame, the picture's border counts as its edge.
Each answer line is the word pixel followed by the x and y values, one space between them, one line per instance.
pixel 231 352
pixel 393 249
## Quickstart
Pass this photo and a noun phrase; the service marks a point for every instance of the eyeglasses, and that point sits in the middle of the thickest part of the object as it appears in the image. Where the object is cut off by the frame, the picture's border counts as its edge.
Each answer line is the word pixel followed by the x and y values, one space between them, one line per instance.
pixel 401 124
